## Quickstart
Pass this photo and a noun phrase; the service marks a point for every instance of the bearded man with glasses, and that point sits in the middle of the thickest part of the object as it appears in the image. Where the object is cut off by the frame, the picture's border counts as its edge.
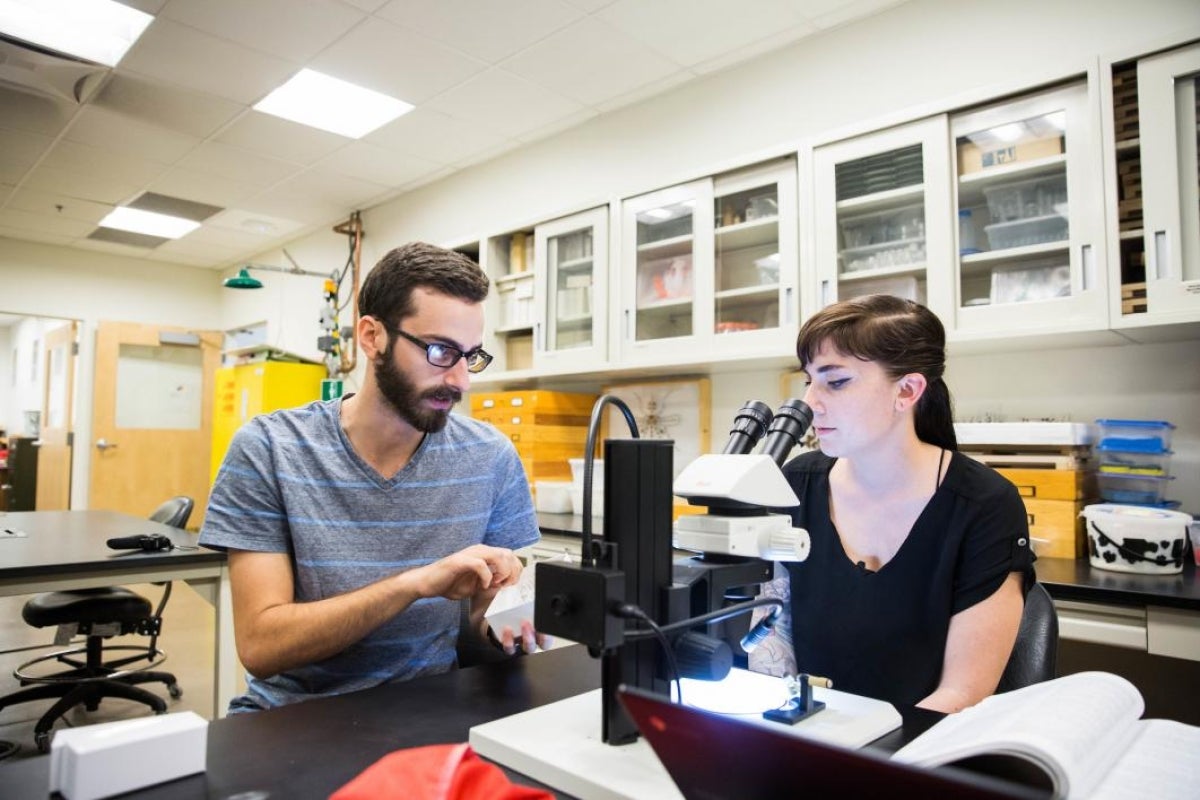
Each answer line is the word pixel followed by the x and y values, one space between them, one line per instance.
pixel 356 528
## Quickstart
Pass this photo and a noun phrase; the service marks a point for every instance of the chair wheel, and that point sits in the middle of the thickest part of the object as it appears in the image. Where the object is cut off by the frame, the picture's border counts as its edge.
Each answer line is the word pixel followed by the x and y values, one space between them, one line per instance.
pixel 174 690
pixel 43 741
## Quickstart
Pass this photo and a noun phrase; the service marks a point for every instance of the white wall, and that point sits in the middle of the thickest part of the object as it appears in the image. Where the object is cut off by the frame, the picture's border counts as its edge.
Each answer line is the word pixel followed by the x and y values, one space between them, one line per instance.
pixel 50 281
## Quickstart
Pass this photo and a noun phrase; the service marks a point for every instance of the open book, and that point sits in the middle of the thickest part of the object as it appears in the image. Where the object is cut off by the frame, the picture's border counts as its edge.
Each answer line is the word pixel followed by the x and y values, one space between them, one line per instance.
pixel 1079 735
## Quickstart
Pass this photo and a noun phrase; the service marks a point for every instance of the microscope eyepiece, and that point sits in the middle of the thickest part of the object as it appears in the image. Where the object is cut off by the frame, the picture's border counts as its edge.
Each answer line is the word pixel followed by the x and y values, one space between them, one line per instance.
pixel 787 428
pixel 748 427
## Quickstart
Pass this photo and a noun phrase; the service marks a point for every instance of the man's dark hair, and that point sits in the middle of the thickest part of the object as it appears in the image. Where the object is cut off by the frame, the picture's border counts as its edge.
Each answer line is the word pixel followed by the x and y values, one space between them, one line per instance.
pixel 386 293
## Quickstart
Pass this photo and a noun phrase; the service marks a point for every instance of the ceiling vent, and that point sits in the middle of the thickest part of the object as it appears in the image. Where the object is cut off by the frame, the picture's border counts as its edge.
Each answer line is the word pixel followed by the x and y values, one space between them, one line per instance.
pixel 34 70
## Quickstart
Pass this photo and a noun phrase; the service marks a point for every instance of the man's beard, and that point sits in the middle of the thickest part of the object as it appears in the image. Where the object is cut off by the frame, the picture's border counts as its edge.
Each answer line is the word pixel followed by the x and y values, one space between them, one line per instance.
pixel 402 394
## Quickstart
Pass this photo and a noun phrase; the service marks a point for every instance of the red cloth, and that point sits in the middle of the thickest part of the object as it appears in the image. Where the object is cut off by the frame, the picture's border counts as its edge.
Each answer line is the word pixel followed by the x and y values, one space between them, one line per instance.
pixel 436 772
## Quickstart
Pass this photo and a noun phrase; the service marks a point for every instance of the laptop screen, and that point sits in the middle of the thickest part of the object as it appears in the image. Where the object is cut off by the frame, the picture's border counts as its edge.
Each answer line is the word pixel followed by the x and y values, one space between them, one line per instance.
pixel 717 757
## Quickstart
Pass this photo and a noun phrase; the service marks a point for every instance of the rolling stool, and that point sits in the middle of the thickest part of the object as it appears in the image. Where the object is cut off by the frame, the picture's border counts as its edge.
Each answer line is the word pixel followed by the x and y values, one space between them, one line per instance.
pixel 97 614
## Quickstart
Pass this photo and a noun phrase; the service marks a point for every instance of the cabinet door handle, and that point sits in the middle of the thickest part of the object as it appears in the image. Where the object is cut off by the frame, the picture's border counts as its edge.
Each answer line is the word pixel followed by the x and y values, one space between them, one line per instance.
pixel 103 444
pixel 625 333
pixel 1161 256
pixel 787 305
pixel 1088 272
pixel 825 299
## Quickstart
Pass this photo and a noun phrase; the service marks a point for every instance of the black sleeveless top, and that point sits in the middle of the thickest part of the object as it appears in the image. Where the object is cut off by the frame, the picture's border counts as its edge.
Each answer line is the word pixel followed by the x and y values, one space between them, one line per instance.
pixel 883 634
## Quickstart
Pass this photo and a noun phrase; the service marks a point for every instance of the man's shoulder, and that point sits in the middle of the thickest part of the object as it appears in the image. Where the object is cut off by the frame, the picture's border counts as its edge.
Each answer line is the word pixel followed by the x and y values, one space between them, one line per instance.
pixel 464 428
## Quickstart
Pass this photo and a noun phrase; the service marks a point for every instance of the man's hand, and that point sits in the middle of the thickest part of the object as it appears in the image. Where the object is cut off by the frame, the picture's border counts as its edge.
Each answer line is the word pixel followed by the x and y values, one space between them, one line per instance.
pixel 468 572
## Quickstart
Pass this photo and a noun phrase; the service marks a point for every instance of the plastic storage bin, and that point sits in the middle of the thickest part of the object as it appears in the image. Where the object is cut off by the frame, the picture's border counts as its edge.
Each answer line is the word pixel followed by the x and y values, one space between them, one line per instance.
pixel 1024 232
pixel 1135 489
pixel 1027 199
pixel 1134 435
pixel 1133 539
pixel 1133 463
pixel 897 225
pixel 1023 283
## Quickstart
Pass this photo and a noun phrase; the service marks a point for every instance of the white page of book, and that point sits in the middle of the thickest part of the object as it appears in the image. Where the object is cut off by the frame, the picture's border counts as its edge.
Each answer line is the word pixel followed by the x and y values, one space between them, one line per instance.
pixel 1083 723
pixel 1163 762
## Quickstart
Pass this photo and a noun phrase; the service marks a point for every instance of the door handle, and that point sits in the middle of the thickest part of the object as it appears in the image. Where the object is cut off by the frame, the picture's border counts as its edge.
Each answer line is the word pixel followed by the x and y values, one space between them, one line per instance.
pixel 102 445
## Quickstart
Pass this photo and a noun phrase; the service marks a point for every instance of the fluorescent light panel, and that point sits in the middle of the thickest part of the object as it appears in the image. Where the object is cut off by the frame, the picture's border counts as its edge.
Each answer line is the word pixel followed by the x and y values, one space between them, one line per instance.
pixel 98 30
pixel 331 104
pixel 148 222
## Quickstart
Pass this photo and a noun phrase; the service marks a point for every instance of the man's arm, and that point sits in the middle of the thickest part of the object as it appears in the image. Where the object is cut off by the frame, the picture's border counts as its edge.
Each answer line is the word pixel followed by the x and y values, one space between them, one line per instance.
pixel 978 647
pixel 275 633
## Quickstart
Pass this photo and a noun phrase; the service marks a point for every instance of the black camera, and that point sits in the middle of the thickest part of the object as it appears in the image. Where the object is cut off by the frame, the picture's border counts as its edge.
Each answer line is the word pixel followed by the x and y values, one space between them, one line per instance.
pixel 150 543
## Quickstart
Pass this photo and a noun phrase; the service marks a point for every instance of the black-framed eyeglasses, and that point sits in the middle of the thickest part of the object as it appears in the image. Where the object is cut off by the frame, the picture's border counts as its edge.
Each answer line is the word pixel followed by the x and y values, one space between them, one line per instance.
pixel 447 355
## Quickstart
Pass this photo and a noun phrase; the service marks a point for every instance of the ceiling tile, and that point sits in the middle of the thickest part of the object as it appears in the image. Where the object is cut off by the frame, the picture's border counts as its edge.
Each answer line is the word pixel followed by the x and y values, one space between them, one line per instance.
pixel 691 31
pixel 589 6
pixel 380 165
pixel 212 249
pixel 185 260
pixel 53 203
pixel 18 152
pixel 505 103
pixel 396 61
pixel 84 159
pixel 33 113
pixel 233 241
pixel 591 62
pixel 238 164
pixel 367 5
pixel 334 190
pixel 747 52
pixel 153 102
pixel 85 187
pixel 486 29
pixel 185 56
pixel 280 138
pixel 558 126
pixel 295 30
pixel 61 226
pixel 854 9
pixel 263 226
pixel 645 90
pixel 6 190
pixel 106 129
pixel 307 210
pixel 35 236
pixel 434 136
pixel 203 187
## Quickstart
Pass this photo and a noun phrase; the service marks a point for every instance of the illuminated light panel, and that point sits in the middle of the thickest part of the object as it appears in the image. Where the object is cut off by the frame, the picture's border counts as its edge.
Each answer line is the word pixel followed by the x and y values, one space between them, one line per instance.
pixel 331 104
pixel 148 222
pixel 96 30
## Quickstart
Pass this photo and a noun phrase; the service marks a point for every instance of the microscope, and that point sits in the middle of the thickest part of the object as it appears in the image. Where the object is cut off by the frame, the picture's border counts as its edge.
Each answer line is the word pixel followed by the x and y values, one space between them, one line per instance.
pixel 646 616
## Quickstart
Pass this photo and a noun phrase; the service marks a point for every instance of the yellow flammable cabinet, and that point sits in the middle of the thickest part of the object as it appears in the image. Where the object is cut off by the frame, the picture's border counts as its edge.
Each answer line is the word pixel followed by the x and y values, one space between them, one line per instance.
pixel 247 390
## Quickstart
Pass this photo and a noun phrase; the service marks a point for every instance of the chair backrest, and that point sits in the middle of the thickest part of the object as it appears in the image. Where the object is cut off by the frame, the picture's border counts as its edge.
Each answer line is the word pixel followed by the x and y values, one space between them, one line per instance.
pixel 174 512
pixel 1035 653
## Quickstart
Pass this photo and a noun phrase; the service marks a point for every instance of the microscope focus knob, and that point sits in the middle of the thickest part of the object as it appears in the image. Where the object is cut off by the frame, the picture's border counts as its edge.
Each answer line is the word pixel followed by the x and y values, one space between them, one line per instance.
pixel 787 544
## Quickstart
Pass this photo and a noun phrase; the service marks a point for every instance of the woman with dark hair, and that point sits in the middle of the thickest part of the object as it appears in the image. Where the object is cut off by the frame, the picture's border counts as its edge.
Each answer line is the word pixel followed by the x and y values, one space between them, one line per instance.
pixel 914 585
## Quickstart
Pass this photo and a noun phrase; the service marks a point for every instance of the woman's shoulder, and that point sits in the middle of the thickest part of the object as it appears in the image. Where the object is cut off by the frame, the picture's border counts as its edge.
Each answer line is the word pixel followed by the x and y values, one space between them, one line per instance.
pixel 972 478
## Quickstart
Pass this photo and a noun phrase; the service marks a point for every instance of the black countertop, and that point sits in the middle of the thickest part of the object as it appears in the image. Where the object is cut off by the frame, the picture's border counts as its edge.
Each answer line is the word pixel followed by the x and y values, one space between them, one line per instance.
pixel 1064 578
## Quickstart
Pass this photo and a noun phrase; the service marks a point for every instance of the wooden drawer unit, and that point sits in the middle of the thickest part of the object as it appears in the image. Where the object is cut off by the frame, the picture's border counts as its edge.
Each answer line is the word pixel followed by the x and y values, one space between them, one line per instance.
pixel 1052 484
pixel 1058 523
pixel 545 427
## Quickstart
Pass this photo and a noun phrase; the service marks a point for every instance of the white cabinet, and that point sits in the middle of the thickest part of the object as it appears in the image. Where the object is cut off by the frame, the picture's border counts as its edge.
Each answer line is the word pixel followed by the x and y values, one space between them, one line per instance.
pixel 883 216
pixel 1168 94
pixel 570 328
pixel 1030 215
pixel 709 269
pixel 507 259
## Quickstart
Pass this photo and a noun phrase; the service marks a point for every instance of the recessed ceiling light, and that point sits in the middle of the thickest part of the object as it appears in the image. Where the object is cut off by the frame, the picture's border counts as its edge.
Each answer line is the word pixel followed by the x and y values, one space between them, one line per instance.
pixel 98 30
pixel 331 104
pixel 148 222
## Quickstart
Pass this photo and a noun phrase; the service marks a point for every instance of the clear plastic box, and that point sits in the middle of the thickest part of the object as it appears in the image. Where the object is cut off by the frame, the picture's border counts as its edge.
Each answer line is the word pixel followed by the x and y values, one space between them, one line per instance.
pixel 898 225
pixel 1134 435
pixel 1124 462
pixel 1034 197
pixel 1024 232
pixel 1133 489
pixel 1026 282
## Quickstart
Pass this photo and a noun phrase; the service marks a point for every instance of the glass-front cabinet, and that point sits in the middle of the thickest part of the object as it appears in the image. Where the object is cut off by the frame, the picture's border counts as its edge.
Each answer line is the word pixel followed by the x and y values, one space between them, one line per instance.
pixel 883 215
pixel 1029 213
pixel 710 267
pixel 665 265
pixel 1168 96
pixel 508 334
pixel 570 326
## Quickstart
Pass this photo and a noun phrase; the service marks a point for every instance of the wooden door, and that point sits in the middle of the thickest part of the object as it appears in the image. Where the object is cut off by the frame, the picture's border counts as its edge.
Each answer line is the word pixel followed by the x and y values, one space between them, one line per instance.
pixel 56 437
pixel 152 416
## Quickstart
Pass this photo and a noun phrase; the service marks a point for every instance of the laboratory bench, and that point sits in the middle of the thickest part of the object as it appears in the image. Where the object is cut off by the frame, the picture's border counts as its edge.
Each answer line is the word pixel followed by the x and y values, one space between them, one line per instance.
pixel 1143 627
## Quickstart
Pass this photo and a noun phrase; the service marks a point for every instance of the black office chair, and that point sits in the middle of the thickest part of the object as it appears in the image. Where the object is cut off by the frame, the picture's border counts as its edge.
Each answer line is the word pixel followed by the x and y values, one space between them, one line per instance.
pixel 98 614
pixel 1035 652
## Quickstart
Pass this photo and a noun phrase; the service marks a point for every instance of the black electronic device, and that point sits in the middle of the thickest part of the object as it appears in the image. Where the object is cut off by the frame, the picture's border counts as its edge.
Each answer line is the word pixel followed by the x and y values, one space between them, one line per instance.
pixel 149 542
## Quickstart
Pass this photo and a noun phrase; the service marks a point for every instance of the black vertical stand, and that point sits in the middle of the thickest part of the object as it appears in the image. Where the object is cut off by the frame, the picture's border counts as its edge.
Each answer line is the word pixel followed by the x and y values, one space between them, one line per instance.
pixel 637 535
